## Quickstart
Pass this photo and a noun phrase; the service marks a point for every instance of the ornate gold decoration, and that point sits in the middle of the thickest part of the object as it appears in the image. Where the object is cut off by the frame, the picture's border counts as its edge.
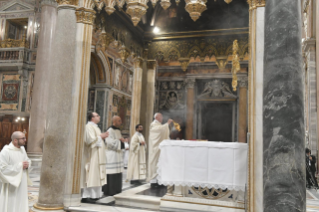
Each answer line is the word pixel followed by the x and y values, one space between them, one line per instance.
pixel 136 9
pixel 228 1
pixel 85 16
pixel 236 65
pixel 10 43
pixel 124 53
pixel 221 62
pixel 165 4
pixel 68 2
pixel 154 2
pixel 105 40
pixel 177 126
pixel 195 8
pixel 256 3
pixel 177 2
pixel 184 63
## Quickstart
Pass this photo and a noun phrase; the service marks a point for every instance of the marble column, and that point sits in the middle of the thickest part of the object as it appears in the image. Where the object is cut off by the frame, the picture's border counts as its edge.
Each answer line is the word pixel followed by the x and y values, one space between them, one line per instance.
pixel 283 111
pixel 242 111
pixel 66 116
pixel 190 103
pixel 255 104
pixel 136 94
pixel 42 78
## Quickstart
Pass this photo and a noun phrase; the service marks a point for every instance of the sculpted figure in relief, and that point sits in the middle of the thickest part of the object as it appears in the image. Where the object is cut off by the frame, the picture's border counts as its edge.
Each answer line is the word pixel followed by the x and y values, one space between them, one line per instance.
pixel 216 88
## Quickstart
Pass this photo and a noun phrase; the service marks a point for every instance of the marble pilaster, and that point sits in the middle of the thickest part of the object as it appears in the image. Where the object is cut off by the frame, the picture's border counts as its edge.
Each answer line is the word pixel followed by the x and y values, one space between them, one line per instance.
pixel 190 103
pixel 242 120
pixel 66 110
pixel 42 79
pixel 136 94
pixel 283 111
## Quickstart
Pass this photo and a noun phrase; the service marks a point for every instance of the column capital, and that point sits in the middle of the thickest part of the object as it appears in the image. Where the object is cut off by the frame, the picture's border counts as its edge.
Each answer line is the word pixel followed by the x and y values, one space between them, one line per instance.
pixel 85 16
pixel 253 4
pixel 68 2
pixel 51 3
pixel 189 82
pixel 151 64
pixel 138 62
pixel 243 82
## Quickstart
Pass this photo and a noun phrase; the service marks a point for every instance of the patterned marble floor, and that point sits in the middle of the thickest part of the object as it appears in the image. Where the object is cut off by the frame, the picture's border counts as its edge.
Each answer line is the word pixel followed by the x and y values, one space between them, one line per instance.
pixel 33 192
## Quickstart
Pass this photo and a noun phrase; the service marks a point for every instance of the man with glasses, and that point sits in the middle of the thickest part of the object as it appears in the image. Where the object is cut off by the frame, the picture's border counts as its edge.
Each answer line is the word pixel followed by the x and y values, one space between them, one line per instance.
pixel 14 175
pixel 94 160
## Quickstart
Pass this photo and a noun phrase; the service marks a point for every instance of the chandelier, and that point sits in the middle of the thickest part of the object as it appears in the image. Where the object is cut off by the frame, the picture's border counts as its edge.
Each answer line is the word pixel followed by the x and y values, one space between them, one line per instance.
pixel 137 8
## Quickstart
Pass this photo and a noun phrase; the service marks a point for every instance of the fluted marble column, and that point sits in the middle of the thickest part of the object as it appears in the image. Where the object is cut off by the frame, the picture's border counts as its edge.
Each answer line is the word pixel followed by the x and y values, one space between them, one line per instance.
pixel 136 94
pixel 242 111
pixel 42 78
pixel 62 150
pixel 190 86
pixel 283 111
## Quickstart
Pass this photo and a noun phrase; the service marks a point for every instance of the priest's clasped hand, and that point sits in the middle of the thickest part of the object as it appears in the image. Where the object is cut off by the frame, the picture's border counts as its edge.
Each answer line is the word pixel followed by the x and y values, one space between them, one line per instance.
pixel 122 140
pixel 25 164
pixel 142 142
pixel 104 135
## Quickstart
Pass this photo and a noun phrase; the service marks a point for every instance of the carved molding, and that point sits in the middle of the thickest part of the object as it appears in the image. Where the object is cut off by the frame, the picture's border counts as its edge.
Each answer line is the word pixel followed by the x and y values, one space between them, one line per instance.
pixel 256 3
pixel 85 16
pixel 189 83
pixel 68 2
pixel 138 62
pixel 151 64
pixel 184 63
pixel 52 3
pixel 104 40
pixel 243 82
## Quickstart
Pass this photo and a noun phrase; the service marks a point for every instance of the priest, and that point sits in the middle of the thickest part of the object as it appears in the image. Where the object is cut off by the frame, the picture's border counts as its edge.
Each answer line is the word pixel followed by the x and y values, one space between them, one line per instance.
pixel 14 175
pixel 94 160
pixel 136 171
pixel 158 133
pixel 114 158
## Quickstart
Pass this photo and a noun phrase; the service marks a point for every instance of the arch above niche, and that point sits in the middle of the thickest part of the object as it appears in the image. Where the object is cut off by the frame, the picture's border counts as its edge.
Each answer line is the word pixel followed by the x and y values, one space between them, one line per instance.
pixel 100 69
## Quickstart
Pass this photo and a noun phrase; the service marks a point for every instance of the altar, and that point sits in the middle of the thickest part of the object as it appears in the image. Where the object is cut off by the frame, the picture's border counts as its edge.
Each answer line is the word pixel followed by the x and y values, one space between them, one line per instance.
pixel 200 176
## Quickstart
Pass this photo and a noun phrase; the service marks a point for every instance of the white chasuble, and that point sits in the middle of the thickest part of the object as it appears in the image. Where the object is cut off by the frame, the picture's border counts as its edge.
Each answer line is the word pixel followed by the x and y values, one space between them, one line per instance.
pixel 94 159
pixel 14 179
pixel 137 158
pixel 158 133
pixel 114 154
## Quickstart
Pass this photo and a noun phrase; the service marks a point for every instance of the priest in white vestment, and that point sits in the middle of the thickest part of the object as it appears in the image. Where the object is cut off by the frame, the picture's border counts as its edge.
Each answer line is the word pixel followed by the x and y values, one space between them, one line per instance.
pixel 136 171
pixel 14 175
pixel 94 160
pixel 158 133
pixel 114 158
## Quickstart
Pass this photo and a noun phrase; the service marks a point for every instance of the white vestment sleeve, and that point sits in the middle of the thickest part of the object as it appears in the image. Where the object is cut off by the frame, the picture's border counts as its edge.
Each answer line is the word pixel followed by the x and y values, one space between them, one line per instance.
pixel 91 138
pixel 111 141
pixel 10 173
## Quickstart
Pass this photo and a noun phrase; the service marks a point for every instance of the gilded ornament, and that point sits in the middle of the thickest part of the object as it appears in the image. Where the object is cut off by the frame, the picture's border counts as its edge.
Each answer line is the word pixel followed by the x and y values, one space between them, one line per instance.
pixel 165 4
pixel 85 16
pixel 256 3
pixel 136 9
pixel 105 40
pixel 124 53
pixel 10 43
pixel 195 8
pixel 68 2
pixel 221 62
pixel 228 1
pixel 236 65
pixel 109 6
pixel 154 2
pixel 177 2
pixel 184 63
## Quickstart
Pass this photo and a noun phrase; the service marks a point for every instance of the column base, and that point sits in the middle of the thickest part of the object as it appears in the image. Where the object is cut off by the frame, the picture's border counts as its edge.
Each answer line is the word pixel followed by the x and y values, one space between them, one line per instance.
pixel 36 162
pixel 37 208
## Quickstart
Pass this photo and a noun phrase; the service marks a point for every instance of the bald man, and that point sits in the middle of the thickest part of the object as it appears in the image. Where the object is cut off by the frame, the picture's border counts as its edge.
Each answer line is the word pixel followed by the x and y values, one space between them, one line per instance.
pixel 14 175
pixel 114 158
pixel 158 133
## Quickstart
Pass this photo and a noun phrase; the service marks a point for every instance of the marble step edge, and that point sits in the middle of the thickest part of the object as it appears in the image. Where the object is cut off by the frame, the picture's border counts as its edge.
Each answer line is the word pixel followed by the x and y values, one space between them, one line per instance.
pixel 203 202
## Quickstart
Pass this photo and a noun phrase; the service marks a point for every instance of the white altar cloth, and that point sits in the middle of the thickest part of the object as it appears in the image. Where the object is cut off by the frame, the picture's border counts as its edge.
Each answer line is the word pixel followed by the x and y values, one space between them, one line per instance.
pixel 205 164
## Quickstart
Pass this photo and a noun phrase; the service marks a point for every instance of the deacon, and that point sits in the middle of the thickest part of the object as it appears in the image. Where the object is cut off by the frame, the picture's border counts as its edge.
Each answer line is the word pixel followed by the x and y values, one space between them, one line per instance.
pixel 94 160
pixel 114 158
pixel 158 133
pixel 137 158
pixel 14 175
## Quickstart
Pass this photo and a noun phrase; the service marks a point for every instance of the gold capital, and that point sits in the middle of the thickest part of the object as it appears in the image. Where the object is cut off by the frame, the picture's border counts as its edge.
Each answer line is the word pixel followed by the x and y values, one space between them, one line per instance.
pixel 85 16
pixel 68 2
pixel 253 4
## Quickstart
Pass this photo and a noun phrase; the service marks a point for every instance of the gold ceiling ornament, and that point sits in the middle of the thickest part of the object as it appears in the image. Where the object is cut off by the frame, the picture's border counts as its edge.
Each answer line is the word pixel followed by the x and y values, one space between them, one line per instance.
pixel 221 62
pixel 85 16
pixel 184 63
pixel 154 2
pixel 124 53
pixel 136 9
pixel 228 1
pixel 165 4
pixel 177 2
pixel 235 65
pixel 195 8
pixel 67 2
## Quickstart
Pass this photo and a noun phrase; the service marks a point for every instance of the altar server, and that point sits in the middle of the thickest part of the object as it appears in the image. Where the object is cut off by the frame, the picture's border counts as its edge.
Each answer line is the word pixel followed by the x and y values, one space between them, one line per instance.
pixel 136 171
pixel 14 175
pixel 94 160
pixel 158 133
pixel 114 157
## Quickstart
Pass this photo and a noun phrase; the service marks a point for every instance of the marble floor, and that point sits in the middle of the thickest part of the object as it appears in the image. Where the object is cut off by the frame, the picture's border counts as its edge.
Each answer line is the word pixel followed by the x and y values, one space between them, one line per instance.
pixel 107 204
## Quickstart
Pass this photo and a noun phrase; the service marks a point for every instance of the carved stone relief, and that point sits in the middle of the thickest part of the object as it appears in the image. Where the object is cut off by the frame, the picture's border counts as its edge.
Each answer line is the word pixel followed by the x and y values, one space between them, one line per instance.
pixel 217 88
